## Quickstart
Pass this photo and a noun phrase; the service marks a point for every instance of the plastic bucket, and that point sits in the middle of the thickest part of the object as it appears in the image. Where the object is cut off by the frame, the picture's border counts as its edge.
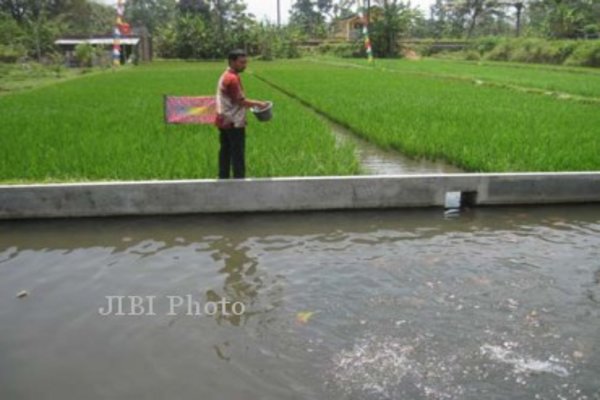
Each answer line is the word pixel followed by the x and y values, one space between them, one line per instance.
pixel 264 114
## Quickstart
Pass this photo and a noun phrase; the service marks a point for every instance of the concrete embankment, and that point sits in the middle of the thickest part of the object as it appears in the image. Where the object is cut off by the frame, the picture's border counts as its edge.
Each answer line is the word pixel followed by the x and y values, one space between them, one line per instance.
pixel 294 194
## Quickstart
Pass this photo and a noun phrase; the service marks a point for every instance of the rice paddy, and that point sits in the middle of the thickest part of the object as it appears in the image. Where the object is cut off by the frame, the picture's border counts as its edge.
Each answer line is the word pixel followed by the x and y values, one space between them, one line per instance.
pixel 576 81
pixel 109 126
pixel 479 128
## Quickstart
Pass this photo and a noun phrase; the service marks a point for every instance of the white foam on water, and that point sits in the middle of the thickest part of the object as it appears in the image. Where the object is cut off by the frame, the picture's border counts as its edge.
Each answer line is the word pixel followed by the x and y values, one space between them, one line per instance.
pixel 392 368
pixel 373 367
pixel 388 367
pixel 523 364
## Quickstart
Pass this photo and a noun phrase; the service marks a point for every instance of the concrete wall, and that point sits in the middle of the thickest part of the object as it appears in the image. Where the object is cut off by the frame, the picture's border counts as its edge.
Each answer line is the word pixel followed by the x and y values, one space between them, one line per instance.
pixel 292 194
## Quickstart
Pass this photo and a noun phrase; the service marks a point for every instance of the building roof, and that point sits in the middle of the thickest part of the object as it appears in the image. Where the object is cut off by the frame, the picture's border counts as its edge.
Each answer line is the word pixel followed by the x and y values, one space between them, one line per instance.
pixel 348 18
pixel 107 41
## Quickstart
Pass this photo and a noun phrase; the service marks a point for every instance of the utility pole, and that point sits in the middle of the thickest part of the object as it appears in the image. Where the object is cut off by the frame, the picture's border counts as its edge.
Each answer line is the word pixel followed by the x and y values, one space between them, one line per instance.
pixel 278 12
pixel 519 5
pixel 519 9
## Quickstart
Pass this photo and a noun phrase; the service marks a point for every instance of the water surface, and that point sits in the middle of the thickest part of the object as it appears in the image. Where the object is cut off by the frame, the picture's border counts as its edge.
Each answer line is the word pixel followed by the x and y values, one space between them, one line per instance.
pixel 491 303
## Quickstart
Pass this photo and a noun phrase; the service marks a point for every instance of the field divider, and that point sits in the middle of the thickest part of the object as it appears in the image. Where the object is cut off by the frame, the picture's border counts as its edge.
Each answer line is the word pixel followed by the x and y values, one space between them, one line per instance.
pixel 120 198
pixel 529 66
pixel 308 105
pixel 349 130
pixel 343 123
pixel 474 81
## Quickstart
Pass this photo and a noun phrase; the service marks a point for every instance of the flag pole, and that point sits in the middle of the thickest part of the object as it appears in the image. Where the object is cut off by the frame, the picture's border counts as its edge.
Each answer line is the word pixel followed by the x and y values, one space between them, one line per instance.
pixel 117 35
pixel 366 17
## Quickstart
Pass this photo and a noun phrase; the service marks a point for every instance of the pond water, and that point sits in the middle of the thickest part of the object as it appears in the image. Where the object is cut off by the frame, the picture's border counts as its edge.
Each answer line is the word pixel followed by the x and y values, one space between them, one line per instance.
pixel 490 303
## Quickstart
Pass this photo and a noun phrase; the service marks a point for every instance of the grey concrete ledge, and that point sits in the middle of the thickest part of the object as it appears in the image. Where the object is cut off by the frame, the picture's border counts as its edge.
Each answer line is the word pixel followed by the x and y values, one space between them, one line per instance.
pixel 112 198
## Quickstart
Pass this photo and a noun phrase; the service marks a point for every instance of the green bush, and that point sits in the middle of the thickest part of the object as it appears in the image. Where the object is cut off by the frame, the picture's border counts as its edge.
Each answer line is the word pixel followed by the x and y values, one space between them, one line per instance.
pixel 424 47
pixel 10 54
pixel 502 51
pixel 587 54
pixel 485 44
pixel 102 57
pixel 83 54
pixel 542 51
pixel 347 50
pixel 472 55
pixel 57 61
pixel 533 50
pixel 269 42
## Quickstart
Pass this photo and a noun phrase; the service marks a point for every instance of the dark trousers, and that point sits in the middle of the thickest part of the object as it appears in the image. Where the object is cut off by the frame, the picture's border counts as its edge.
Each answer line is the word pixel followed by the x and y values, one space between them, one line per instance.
pixel 232 152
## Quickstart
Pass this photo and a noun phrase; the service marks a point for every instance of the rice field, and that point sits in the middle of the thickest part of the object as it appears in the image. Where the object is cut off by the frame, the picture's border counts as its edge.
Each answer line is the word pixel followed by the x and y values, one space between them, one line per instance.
pixel 109 126
pixel 479 128
pixel 576 81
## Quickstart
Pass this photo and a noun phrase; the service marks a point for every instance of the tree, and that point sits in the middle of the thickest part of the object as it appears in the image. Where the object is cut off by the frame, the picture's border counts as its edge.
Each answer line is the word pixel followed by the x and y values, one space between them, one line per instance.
pixel 10 32
pixel 342 9
pixel 196 7
pixel 469 18
pixel 307 16
pixel 564 18
pixel 392 20
pixel 42 21
pixel 193 39
pixel 270 41
pixel 205 29
pixel 91 18
pixel 152 13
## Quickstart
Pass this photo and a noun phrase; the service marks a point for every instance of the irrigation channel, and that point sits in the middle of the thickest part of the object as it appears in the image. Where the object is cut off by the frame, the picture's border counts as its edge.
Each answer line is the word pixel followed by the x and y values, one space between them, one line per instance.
pixel 499 303
pixel 373 159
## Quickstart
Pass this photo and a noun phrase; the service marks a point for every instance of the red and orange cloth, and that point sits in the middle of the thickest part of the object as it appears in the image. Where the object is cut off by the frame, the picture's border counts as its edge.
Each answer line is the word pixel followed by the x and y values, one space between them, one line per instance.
pixel 190 110
pixel 225 110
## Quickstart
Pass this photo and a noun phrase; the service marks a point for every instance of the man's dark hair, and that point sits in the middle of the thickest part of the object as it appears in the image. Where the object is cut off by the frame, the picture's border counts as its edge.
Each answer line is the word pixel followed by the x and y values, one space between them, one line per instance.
pixel 235 54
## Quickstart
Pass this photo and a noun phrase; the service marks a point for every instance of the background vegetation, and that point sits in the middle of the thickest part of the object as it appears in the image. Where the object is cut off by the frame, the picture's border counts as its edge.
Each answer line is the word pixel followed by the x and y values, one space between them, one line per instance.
pixel 207 29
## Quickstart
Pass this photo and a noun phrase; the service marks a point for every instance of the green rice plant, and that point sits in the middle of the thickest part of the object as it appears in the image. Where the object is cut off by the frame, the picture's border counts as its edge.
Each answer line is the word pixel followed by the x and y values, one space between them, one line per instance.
pixel 110 126
pixel 575 81
pixel 476 127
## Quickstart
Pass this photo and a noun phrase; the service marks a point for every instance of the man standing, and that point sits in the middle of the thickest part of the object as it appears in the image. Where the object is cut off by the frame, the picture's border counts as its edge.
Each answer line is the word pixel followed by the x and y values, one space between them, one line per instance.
pixel 231 116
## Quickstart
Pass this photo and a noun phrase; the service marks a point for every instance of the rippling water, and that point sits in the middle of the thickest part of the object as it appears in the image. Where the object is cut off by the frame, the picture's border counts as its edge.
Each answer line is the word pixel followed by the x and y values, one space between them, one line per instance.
pixel 409 304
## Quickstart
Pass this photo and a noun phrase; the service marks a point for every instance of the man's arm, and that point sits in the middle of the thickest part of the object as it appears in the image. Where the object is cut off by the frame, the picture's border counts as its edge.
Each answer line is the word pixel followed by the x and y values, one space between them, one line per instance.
pixel 253 103
pixel 235 92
